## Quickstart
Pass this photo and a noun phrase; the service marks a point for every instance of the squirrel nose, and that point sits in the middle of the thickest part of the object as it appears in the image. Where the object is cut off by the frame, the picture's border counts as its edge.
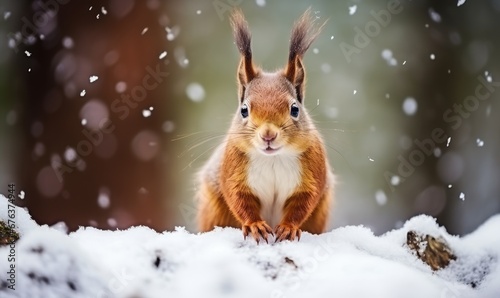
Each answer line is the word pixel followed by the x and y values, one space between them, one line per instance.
pixel 269 136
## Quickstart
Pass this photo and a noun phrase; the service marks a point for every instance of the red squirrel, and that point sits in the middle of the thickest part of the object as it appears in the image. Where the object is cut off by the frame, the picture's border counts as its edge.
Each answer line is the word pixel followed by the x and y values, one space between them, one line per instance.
pixel 271 170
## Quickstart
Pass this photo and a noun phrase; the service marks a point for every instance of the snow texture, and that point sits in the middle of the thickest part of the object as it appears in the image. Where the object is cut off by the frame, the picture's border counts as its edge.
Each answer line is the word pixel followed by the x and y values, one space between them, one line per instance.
pixel 346 262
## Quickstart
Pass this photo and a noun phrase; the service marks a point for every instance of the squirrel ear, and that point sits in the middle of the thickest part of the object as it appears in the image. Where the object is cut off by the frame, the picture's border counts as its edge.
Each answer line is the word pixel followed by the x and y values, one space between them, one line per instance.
pixel 304 32
pixel 242 37
pixel 246 73
pixel 296 74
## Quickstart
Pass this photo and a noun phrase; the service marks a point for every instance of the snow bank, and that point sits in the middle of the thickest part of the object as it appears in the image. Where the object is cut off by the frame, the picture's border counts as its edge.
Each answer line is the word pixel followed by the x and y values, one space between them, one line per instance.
pixel 346 262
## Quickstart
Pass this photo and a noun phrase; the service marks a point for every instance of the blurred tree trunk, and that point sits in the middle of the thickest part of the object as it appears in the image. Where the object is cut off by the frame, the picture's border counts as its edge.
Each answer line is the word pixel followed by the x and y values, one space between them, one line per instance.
pixel 119 170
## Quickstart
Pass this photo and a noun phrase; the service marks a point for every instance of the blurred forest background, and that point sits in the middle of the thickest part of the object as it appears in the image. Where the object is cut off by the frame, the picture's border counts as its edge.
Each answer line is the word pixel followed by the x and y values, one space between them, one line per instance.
pixel 108 108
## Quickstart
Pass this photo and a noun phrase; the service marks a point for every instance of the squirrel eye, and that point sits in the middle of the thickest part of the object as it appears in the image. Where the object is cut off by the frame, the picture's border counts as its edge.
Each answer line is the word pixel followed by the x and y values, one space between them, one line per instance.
pixel 244 110
pixel 294 110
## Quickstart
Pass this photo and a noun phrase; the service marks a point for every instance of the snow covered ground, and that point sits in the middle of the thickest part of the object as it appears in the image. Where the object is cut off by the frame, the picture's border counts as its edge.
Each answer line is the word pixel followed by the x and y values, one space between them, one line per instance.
pixel 346 262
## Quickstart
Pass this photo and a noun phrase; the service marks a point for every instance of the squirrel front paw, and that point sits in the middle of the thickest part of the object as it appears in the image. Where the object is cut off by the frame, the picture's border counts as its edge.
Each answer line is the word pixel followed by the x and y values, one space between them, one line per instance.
pixel 285 231
pixel 258 229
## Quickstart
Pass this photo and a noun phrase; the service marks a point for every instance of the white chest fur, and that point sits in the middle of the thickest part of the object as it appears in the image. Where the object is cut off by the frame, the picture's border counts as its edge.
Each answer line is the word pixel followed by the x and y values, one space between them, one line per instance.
pixel 273 179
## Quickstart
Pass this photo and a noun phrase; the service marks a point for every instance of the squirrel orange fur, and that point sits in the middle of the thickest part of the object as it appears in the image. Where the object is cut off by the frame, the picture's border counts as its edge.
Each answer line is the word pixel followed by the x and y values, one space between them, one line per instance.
pixel 272 168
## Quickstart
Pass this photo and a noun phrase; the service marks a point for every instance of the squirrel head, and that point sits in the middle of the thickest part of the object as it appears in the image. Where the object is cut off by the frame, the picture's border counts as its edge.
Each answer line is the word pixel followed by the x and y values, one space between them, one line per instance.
pixel 271 116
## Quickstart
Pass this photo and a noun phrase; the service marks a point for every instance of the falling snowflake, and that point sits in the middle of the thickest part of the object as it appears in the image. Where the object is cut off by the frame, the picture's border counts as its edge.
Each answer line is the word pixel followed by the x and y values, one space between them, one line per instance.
pixel 112 222
pixel 143 191
pixel 388 57
pixel 195 92
pixel 120 87
pixel 172 33
pixel 163 55
pixel 395 180
pixel 352 9
pixel 462 196
pixel 68 42
pixel 380 197
pixel 437 152
pixel 146 113
pixel 93 78
pixel 103 199
pixel 410 106
pixel 436 17
pixel 488 76
pixel 326 68
pixel 82 94
pixel 168 126
pixel 12 43
pixel 70 154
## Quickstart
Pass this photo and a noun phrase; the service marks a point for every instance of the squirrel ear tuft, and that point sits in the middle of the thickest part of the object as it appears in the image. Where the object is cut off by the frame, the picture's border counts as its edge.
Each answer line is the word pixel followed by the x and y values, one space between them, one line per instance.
pixel 242 37
pixel 304 32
